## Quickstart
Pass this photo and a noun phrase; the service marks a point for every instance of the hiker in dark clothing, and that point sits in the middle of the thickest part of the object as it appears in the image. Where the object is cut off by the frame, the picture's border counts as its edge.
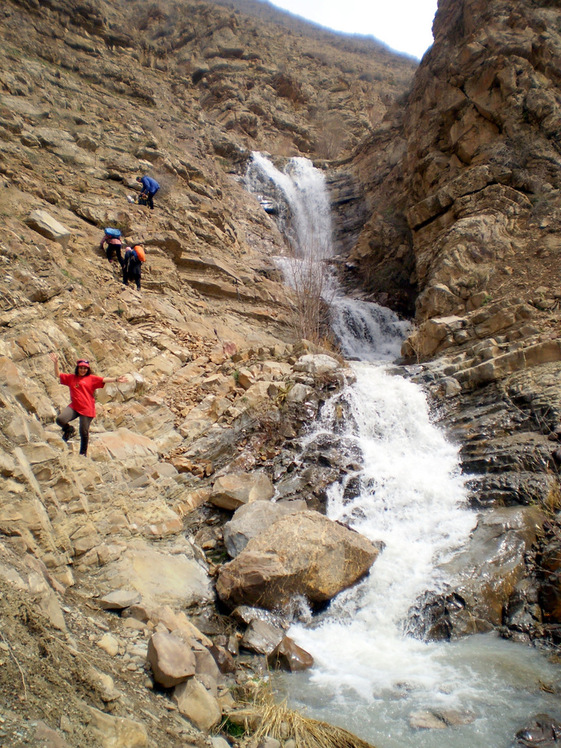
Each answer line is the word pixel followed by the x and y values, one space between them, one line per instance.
pixel 114 244
pixel 149 189
pixel 132 266
pixel 82 385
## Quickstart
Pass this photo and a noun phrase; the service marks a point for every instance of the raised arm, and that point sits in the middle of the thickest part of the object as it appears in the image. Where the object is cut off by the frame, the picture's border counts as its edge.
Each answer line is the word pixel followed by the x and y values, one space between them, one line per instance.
pixel 110 380
pixel 54 359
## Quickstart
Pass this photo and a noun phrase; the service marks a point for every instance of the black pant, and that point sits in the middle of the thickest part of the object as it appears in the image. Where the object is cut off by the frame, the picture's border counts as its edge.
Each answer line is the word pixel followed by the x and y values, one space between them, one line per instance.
pixel 63 420
pixel 117 249
pixel 149 199
pixel 131 274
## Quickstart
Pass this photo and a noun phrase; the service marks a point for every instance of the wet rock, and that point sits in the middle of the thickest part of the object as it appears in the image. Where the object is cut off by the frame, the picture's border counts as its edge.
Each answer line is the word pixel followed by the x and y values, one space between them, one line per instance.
pixel 440 718
pixel 247 614
pixel 302 554
pixel 485 574
pixel 543 731
pixel 262 637
pixel 289 656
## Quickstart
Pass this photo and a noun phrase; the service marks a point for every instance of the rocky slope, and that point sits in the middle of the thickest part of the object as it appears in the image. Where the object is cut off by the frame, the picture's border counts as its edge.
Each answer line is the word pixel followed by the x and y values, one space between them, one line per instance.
pixel 100 557
pixel 446 198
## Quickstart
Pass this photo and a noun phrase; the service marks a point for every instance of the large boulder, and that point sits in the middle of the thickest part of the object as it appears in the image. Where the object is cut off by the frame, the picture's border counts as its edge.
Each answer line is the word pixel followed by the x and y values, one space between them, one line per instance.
pixel 252 519
pixel 301 554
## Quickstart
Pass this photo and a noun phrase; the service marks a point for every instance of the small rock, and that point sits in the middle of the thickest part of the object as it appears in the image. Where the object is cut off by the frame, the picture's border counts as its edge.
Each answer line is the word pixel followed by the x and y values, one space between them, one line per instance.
pixel 119 599
pixel 109 644
pixel 289 656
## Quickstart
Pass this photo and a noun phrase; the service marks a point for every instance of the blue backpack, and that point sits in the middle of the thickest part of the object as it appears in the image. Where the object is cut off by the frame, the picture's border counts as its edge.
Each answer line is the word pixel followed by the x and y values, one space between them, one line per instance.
pixel 113 233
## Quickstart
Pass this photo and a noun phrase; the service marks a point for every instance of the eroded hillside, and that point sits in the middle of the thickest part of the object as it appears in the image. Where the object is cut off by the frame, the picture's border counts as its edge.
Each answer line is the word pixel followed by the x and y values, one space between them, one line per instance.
pixel 91 96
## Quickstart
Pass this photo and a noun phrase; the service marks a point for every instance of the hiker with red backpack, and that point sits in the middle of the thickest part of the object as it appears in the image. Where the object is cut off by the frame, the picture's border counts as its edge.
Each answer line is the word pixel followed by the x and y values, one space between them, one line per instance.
pixel 132 264
pixel 82 385
pixel 112 237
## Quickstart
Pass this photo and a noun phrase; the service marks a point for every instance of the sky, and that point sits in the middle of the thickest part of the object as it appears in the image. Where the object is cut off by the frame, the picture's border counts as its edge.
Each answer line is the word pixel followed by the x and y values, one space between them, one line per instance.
pixel 404 25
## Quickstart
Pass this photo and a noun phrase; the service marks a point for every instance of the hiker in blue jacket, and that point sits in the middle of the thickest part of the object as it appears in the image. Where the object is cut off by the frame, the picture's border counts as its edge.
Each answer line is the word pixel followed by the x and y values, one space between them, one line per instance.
pixel 149 189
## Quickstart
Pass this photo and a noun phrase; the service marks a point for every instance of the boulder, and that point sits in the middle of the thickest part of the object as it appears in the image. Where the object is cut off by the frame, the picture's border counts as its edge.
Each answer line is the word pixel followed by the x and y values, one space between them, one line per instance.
pixel 301 554
pixel 317 364
pixel 485 574
pixel 251 519
pixel 172 661
pixel 197 704
pixel 127 446
pixel 232 490
pixel 160 578
pixel 46 225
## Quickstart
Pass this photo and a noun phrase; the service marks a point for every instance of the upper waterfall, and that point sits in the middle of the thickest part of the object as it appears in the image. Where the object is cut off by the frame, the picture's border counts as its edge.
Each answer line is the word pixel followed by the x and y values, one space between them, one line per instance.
pixel 299 198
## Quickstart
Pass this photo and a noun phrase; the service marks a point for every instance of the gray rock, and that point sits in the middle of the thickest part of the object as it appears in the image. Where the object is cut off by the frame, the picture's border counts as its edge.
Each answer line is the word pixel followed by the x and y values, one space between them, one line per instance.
pixel 119 599
pixel 261 637
pixel 46 225
pixel 251 519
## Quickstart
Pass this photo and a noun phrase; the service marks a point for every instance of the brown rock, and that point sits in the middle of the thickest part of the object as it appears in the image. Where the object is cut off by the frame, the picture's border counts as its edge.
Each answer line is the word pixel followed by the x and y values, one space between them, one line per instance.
pixel 197 704
pixel 289 656
pixel 302 554
pixel 232 490
pixel 171 660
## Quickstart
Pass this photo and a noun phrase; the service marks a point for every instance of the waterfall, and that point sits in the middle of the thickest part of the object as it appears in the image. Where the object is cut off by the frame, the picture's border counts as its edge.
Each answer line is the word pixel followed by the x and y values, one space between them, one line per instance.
pixel 300 196
pixel 370 674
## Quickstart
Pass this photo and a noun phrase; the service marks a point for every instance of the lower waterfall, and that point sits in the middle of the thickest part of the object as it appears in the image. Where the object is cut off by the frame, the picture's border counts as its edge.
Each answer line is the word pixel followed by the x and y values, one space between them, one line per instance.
pixel 371 674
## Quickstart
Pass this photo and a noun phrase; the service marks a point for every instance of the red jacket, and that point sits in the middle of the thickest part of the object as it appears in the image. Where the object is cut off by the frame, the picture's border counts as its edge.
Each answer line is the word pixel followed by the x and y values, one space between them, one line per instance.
pixel 82 389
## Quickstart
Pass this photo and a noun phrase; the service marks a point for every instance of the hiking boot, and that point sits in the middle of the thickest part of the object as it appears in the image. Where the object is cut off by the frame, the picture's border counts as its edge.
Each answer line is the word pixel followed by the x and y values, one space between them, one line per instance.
pixel 68 432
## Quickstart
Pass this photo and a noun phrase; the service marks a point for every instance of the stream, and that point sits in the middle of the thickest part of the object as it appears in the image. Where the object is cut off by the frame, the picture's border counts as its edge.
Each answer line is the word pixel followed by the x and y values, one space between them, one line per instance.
pixel 371 675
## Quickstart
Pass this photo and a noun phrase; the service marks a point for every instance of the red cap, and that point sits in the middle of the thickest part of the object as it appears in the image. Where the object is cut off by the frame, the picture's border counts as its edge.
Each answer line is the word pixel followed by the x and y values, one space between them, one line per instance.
pixel 82 362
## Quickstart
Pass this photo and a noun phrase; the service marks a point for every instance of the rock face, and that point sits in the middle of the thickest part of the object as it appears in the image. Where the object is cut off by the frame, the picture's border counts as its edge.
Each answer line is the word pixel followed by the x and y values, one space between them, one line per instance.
pixel 302 554
pixel 472 168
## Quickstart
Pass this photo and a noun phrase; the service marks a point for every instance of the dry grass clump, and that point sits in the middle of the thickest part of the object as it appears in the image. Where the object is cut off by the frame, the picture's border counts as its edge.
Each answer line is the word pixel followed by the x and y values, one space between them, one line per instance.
pixel 282 723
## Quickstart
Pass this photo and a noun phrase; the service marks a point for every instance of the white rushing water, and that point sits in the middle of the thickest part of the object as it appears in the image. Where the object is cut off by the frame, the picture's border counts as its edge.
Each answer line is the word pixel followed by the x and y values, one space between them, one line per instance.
pixel 370 673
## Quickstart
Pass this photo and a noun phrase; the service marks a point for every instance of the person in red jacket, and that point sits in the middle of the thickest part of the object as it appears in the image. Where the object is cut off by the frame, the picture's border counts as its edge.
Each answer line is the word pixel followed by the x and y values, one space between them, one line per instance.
pixel 82 385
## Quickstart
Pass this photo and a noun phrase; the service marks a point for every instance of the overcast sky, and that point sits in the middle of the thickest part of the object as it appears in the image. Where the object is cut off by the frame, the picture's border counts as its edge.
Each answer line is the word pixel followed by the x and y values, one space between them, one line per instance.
pixel 404 25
